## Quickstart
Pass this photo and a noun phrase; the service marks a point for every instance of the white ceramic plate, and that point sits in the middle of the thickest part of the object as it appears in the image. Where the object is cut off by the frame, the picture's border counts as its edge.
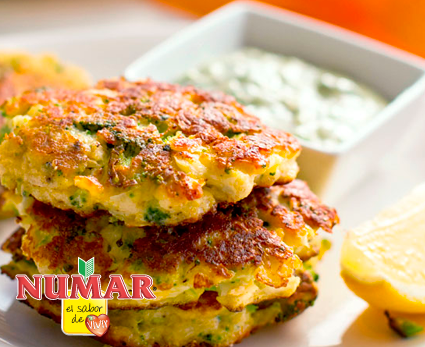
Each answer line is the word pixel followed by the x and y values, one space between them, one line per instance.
pixel 338 317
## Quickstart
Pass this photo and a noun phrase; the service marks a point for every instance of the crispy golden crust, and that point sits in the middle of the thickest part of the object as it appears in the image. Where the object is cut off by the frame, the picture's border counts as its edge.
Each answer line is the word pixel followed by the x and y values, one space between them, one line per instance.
pixel 229 238
pixel 306 203
pixel 183 145
pixel 297 197
pixel 227 248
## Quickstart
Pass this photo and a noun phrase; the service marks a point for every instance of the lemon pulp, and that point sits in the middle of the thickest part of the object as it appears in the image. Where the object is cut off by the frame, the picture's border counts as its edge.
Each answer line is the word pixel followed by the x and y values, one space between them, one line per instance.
pixel 383 260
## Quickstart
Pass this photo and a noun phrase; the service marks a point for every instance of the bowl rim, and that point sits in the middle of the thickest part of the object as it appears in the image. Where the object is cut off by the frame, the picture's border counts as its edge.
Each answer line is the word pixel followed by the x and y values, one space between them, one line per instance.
pixel 404 98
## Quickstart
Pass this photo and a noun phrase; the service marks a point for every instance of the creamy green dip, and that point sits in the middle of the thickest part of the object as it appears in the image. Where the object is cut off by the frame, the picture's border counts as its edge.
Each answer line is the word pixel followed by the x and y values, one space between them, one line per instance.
pixel 315 104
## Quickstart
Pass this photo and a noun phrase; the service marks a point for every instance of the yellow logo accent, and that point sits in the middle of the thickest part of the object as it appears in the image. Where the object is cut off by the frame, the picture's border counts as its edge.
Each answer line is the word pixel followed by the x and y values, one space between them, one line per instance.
pixel 75 311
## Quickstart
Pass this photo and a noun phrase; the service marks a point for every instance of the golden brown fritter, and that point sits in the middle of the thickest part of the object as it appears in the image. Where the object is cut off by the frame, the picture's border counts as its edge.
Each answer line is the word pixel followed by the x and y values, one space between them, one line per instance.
pixel 149 153
pixel 246 252
pixel 21 71
pixel 297 197
pixel 205 323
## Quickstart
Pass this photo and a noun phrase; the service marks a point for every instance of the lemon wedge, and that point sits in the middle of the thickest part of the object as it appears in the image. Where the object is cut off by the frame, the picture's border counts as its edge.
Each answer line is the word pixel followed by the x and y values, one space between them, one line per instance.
pixel 383 260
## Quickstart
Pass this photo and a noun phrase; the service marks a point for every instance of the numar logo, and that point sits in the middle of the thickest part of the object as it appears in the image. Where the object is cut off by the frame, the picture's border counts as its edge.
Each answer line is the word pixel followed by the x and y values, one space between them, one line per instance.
pixel 86 268
pixel 84 285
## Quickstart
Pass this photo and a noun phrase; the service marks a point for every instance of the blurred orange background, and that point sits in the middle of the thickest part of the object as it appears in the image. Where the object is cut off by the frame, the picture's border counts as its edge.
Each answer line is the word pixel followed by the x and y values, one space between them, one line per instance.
pixel 396 22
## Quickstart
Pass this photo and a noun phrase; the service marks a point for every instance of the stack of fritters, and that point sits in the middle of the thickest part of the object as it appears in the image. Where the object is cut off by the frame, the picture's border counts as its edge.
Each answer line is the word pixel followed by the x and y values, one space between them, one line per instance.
pixel 169 181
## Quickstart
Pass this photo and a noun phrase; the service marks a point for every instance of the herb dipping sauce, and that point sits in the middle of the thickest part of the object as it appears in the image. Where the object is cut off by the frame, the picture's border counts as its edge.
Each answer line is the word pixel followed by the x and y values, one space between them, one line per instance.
pixel 287 93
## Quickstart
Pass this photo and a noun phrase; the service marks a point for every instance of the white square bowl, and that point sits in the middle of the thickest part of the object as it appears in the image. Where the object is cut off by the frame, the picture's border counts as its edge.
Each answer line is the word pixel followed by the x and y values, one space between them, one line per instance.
pixel 397 75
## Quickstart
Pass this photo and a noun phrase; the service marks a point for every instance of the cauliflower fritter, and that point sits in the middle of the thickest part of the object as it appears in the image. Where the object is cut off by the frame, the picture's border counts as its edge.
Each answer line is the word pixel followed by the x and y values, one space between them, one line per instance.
pixel 21 71
pixel 246 253
pixel 149 153
pixel 202 324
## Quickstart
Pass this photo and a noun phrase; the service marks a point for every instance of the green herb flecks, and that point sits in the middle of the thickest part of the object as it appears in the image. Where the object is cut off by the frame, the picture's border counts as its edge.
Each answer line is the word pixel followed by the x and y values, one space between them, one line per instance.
pixel 252 308
pixel 93 128
pixel 3 131
pixel 156 216
pixel 403 327
pixel 79 199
